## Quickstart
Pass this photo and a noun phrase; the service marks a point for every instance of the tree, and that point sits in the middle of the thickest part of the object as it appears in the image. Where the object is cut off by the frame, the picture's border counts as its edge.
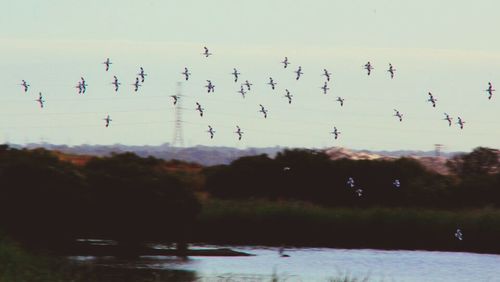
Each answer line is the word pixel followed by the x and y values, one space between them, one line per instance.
pixel 480 161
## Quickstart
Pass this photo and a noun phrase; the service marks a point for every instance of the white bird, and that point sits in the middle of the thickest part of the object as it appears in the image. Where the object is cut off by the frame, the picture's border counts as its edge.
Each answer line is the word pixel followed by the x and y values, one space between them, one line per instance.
pixel 136 84
pixel 285 62
pixel 199 109
pixel 325 87
pixel 399 115
pixel 107 63
pixel 341 100
pixel 186 73
pixel 242 91
pixel 298 72
pixel 490 90
pixel 116 83
pixel 459 235
pixel 289 96
pixel 368 67
pixel 359 192
pixel 211 131
pixel 286 168
pixel 235 73
pixel 327 74
pixel 247 84
pixel 396 183
pixel 83 85
pixel 448 118
pixel 335 133
pixel 40 100
pixel 79 87
pixel 391 70
pixel 239 132
pixel 263 110
pixel 175 97
pixel 460 122
pixel 432 100
pixel 107 120
pixel 350 182
pixel 25 85
pixel 272 83
pixel 210 86
pixel 206 53
pixel 142 74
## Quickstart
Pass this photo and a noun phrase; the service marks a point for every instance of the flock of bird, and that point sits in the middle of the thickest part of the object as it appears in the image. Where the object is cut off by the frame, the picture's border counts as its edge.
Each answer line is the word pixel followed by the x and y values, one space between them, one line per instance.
pixel 246 86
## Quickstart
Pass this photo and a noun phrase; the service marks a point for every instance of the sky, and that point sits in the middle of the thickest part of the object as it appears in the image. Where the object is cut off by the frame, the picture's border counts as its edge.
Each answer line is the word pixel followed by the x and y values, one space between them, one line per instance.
pixel 449 48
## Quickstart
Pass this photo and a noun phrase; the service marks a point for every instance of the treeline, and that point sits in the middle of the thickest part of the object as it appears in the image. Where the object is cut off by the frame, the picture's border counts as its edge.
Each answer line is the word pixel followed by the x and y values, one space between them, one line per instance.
pixel 48 202
pixel 311 176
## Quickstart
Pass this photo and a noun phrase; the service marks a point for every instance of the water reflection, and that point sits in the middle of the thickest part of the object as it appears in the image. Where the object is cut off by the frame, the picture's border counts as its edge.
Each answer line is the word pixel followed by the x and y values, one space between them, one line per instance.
pixel 308 264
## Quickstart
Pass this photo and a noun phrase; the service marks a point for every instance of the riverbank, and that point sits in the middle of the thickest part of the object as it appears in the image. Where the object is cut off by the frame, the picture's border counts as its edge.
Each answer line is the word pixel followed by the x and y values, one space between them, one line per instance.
pixel 288 223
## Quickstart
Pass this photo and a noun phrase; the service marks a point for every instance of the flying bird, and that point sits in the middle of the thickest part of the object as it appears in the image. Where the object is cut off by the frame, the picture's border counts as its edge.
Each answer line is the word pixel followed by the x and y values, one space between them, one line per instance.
pixel 298 72
pixel 326 74
pixel 285 62
pixel 335 133
pixel 368 67
pixel 432 100
pixel 136 84
pixel 142 74
pixel 107 120
pixel 398 114
pixel 199 109
pixel 490 90
pixel 391 70
pixel 211 131
pixel 396 183
pixel 239 132
pixel 235 73
pixel 116 83
pixel 350 182
pixel 25 85
pixel 459 235
pixel 460 122
pixel 341 100
pixel 210 86
pixel 263 110
pixel 289 96
pixel 79 87
pixel 242 91
pixel 325 87
pixel 40 100
pixel 448 118
pixel 359 192
pixel 186 73
pixel 247 84
pixel 107 63
pixel 175 97
pixel 272 83
pixel 206 53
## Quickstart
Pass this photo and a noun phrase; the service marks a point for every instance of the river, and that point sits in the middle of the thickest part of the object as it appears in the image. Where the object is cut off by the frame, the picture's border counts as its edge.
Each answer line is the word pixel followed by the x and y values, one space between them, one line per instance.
pixel 324 264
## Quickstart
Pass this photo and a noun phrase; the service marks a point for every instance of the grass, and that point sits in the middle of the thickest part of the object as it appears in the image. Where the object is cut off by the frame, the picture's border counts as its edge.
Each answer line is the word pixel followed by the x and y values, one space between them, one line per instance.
pixel 17 264
pixel 303 224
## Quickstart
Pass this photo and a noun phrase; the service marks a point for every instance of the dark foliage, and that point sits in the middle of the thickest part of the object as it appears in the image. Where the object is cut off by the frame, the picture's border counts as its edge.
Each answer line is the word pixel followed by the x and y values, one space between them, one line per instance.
pixel 45 202
pixel 311 176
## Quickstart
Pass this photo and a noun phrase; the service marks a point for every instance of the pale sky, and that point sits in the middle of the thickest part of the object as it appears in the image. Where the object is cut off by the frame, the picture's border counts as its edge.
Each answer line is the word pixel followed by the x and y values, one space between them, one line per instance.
pixel 449 48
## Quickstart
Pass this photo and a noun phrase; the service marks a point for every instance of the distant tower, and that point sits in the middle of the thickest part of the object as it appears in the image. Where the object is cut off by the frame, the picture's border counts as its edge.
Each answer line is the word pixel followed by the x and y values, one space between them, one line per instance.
pixel 437 149
pixel 178 140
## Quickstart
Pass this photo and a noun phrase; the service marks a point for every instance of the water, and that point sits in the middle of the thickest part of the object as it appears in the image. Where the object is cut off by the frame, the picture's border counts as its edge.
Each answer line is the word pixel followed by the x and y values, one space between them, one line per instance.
pixel 323 264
